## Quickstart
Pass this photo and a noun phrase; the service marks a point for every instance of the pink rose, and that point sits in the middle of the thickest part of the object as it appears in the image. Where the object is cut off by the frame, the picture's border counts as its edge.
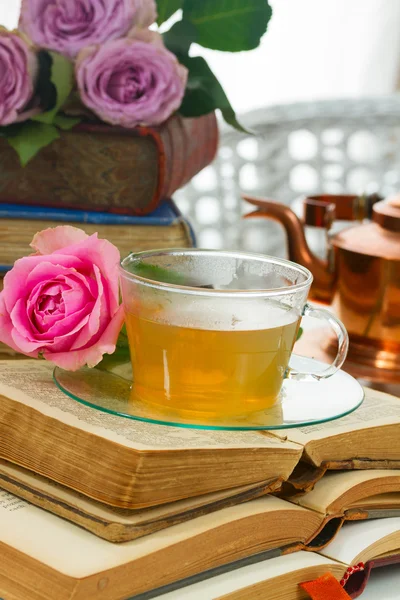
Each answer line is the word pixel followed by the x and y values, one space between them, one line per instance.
pixel 18 68
pixel 67 26
pixel 63 302
pixel 131 82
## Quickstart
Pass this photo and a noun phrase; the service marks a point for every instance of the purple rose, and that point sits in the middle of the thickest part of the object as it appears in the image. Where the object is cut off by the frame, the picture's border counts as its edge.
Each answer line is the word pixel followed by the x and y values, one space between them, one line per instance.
pixel 18 68
pixel 131 82
pixel 67 26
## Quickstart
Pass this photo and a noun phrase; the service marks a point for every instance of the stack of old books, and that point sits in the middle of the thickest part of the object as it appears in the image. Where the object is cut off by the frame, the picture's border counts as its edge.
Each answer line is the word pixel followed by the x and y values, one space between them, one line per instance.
pixel 107 182
pixel 94 506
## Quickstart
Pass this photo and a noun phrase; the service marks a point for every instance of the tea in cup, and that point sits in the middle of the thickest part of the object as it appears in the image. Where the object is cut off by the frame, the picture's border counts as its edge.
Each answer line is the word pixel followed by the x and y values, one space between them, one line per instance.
pixel 211 333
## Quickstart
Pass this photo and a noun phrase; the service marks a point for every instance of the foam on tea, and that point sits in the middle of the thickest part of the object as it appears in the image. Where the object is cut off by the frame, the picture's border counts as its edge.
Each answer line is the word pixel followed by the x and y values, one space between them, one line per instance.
pixel 228 357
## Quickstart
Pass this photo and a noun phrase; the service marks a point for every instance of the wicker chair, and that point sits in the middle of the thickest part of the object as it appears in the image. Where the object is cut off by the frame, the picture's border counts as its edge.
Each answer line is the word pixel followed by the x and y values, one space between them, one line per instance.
pixel 350 145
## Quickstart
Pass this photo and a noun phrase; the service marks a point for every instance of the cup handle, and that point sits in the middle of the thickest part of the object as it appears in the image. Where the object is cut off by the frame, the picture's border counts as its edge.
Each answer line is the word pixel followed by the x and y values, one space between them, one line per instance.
pixel 343 346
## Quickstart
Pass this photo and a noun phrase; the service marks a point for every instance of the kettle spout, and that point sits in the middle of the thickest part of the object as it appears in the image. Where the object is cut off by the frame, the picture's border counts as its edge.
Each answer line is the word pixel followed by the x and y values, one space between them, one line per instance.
pixel 299 252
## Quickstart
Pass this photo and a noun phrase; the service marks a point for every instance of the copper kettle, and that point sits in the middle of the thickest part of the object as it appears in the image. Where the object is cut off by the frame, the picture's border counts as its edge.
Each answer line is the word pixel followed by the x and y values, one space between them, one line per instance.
pixel 361 276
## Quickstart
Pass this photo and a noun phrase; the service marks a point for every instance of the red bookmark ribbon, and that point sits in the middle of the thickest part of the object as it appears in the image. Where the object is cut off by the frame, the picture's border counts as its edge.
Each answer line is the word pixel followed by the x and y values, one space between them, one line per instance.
pixel 326 587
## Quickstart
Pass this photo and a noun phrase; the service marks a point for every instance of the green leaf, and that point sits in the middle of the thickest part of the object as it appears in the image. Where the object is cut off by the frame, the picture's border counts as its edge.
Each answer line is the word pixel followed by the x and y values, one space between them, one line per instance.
pixel 156 273
pixel 167 8
pixel 229 25
pixel 204 93
pixel 66 123
pixel 45 89
pixel 299 333
pixel 62 78
pixel 30 138
pixel 179 38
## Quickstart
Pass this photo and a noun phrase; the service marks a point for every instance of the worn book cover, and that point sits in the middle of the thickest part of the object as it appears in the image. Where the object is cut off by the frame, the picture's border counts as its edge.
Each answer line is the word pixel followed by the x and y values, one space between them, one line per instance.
pixel 99 167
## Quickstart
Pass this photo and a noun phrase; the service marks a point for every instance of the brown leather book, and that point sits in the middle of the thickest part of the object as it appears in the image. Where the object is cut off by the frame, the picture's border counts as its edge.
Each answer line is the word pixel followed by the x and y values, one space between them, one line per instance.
pixel 104 168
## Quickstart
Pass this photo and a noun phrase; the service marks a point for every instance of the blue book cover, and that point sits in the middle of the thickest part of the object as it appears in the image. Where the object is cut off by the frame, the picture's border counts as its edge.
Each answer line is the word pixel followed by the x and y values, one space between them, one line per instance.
pixel 165 214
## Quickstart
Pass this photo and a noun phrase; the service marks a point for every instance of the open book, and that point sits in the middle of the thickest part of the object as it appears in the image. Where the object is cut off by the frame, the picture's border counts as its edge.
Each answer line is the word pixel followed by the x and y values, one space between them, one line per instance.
pixel 117 524
pixel 121 462
pixel 369 545
pixel 46 432
pixel 368 438
pixel 351 496
pixel 272 579
pixel 338 497
pixel 41 552
pixel 359 545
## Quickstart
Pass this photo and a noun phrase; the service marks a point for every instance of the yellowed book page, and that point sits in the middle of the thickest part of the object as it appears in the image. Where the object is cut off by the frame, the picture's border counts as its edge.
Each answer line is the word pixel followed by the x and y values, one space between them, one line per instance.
pixel 74 552
pixel 101 511
pixel 30 383
pixel 329 492
pixel 391 500
pixel 244 577
pixel 354 541
pixel 376 410
pixel 15 241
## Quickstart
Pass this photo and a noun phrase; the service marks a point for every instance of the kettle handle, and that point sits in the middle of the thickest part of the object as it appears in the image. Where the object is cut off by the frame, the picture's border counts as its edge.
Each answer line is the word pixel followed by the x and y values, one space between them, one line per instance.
pixel 323 210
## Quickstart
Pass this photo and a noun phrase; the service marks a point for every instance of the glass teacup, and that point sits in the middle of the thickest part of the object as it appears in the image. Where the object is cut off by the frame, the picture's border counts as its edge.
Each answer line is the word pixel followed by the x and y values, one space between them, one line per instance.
pixel 211 333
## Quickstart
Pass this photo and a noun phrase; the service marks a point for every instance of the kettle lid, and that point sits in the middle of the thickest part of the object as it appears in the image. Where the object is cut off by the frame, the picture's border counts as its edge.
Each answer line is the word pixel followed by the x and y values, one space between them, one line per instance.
pixel 387 213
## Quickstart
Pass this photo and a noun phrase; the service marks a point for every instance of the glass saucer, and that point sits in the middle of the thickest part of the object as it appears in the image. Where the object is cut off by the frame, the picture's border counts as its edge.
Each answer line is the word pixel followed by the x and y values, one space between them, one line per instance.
pixel 300 403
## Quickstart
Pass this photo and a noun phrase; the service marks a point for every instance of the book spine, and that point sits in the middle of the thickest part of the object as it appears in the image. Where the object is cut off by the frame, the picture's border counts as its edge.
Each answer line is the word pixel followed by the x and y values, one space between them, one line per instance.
pixel 166 214
pixel 189 146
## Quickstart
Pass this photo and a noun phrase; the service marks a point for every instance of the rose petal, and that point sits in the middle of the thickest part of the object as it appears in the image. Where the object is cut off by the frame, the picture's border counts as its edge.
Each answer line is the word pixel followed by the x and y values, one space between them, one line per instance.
pixel 98 318
pixel 76 296
pixel 67 26
pixel 18 69
pixel 22 324
pixel 74 360
pixel 131 82
pixel 61 336
pixel 106 256
pixel 19 282
pixel 53 239
pixel 6 329
pixel 146 13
